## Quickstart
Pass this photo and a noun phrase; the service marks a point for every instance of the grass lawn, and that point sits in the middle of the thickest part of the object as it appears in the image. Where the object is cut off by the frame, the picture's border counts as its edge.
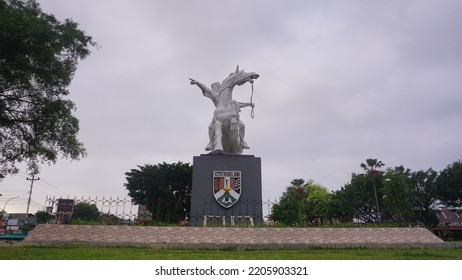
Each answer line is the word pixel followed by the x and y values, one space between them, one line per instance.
pixel 69 252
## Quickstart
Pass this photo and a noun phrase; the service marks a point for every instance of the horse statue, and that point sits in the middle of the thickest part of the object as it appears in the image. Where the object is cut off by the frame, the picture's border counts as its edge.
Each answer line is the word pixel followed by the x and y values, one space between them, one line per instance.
pixel 226 130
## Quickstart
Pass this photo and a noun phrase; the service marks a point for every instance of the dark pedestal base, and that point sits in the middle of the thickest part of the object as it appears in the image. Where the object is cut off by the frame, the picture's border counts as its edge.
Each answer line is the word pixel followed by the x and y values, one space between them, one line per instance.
pixel 204 206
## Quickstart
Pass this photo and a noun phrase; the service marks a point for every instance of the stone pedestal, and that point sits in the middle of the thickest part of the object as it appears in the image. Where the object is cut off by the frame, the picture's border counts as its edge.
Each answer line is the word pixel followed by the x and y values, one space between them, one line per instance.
pixel 206 210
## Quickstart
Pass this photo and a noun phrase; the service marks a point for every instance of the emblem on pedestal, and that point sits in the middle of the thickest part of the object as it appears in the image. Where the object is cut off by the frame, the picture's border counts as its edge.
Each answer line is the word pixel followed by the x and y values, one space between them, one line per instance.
pixel 227 187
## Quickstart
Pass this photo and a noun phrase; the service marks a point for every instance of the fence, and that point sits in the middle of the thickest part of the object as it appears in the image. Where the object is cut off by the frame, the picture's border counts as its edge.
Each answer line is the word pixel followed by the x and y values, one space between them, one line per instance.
pixel 124 211
pixel 112 210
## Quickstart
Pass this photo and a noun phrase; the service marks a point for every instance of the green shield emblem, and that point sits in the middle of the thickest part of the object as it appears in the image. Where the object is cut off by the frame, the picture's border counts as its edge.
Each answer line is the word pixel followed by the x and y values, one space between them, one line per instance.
pixel 227 187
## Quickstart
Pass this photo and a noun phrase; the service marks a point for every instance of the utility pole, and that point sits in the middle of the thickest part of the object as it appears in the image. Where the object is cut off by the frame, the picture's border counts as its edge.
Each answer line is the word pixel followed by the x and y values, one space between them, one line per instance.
pixel 30 194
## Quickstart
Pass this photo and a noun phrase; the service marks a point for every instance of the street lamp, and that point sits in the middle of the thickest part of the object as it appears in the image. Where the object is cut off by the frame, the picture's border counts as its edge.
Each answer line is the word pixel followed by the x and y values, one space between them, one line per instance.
pixel 4 206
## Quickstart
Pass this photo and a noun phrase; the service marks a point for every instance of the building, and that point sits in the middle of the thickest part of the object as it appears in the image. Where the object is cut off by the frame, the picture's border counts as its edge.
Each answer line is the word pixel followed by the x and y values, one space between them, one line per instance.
pixel 12 223
pixel 450 226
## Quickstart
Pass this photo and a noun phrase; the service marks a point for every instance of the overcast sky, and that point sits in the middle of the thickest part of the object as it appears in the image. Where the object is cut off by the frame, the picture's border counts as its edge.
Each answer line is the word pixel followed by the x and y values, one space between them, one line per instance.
pixel 340 82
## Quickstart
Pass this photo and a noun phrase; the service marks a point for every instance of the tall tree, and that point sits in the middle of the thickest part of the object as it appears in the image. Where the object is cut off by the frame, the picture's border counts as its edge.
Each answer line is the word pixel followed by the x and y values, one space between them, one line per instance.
pixel 371 167
pixel 298 182
pixel 450 184
pixel 357 199
pixel 38 58
pixel 424 196
pixel 397 194
pixel 164 188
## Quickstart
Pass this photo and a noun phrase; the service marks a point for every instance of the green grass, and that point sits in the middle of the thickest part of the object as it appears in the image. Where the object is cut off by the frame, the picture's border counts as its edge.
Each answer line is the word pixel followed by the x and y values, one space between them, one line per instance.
pixel 71 252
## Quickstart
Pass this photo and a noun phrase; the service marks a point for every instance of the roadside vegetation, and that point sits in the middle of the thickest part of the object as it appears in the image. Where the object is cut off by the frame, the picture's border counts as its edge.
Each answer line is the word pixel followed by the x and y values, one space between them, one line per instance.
pixel 134 253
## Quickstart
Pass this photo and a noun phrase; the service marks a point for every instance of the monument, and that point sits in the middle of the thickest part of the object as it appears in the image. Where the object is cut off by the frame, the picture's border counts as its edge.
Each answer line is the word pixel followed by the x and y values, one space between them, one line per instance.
pixel 226 186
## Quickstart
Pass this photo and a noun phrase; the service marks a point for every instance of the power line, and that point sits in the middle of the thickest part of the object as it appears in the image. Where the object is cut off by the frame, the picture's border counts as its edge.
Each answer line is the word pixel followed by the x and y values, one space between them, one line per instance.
pixel 43 183
pixel 46 190
pixel 37 205
pixel 54 187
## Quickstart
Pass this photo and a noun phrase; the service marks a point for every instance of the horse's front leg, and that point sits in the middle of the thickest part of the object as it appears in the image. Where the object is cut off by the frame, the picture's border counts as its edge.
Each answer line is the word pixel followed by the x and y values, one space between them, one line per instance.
pixel 218 135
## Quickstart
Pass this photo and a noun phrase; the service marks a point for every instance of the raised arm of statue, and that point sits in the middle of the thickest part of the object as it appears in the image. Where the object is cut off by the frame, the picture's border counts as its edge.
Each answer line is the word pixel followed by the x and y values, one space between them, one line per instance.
pixel 206 91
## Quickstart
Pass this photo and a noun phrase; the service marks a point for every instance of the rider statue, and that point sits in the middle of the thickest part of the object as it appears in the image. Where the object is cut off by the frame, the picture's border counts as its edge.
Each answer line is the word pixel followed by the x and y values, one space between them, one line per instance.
pixel 226 122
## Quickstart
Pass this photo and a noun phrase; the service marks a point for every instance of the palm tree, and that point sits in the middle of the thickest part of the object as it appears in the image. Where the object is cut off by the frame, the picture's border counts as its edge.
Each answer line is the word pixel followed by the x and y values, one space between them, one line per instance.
pixel 297 182
pixel 299 191
pixel 371 170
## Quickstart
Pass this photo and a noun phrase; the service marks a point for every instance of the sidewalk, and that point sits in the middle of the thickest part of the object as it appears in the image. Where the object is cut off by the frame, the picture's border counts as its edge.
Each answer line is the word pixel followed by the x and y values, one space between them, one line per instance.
pixel 228 237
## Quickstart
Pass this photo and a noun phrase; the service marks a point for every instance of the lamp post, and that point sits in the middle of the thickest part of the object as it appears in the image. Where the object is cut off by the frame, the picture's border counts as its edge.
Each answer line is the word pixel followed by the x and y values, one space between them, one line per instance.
pixel 4 206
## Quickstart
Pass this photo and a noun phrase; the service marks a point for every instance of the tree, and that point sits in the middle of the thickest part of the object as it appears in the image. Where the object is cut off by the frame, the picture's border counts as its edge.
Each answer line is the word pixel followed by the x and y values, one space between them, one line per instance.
pixel 424 196
pixel 290 208
pixel 318 201
pixel 164 188
pixel 298 182
pixel 341 206
pixel 356 199
pixel 450 185
pixel 302 203
pixel 42 217
pixel 38 58
pixel 397 195
pixel 87 212
pixel 371 170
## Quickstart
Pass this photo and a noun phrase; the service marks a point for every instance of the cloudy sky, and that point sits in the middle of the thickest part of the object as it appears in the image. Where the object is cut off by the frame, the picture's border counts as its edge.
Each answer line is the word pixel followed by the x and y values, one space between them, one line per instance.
pixel 340 82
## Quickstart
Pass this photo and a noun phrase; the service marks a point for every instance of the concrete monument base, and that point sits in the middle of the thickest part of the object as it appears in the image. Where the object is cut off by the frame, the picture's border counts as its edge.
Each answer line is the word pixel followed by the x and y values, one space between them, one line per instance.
pixel 235 237
pixel 226 190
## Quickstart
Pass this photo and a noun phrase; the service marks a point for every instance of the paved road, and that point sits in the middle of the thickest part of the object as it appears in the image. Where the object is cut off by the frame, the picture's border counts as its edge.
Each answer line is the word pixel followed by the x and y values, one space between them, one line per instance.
pixel 222 237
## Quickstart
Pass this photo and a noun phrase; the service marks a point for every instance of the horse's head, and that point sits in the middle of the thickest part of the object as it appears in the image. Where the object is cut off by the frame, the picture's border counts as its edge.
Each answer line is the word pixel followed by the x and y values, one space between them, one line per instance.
pixel 239 78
